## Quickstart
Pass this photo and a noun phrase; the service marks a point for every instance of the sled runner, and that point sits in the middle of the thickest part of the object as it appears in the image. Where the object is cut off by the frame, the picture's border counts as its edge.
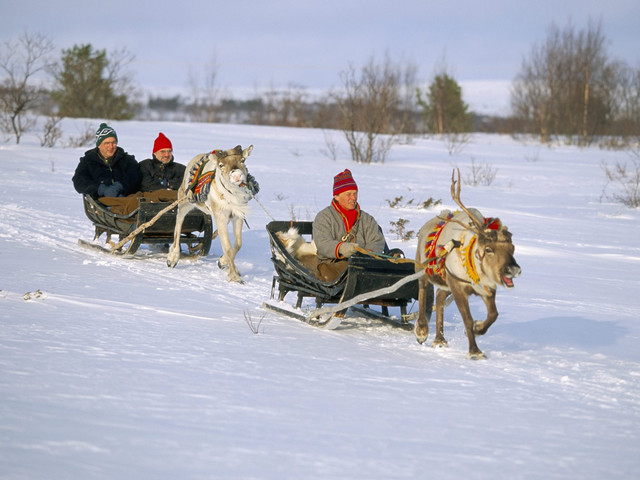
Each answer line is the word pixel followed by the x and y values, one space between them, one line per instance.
pixel 378 281
pixel 197 230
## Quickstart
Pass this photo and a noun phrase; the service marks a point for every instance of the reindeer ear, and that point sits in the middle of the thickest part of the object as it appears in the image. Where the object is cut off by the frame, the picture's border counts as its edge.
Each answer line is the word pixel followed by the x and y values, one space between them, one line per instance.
pixel 238 149
pixel 247 151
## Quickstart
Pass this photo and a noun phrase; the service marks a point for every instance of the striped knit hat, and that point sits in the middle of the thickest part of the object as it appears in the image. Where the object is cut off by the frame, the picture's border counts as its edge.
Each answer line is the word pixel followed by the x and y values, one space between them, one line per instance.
pixel 343 181
pixel 104 132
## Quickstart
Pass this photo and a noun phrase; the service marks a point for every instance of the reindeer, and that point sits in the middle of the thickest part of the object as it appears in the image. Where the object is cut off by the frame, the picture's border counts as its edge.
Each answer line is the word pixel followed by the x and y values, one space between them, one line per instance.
pixel 227 200
pixel 464 254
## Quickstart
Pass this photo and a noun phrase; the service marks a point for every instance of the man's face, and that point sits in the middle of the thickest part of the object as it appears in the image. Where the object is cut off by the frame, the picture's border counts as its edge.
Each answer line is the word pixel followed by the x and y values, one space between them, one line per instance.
pixel 348 199
pixel 164 155
pixel 108 147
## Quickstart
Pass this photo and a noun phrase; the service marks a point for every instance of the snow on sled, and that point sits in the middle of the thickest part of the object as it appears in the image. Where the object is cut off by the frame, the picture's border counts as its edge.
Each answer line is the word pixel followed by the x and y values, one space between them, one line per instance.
pixel 196 234
pixel 367 281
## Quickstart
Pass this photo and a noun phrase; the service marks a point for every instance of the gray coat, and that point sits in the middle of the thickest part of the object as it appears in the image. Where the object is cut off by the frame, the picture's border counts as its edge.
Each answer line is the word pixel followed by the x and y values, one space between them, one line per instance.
pixel 329 229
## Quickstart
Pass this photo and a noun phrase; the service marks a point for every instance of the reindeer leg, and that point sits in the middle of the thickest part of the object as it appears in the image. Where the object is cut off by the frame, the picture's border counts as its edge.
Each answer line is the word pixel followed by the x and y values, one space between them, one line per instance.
pixel 480 328
pixel 227 259
pixel 439 341
pixel 174 252
pixel 237 234
pixel 421 328
pixel 462 302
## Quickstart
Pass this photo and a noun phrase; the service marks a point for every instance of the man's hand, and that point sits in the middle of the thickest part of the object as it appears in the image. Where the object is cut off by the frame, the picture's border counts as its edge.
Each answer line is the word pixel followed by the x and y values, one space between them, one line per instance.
pixel 347 249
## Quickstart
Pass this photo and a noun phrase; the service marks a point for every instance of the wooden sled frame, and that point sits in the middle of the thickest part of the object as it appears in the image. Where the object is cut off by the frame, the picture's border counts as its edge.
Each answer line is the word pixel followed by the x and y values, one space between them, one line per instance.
pixel 363 274
pixel 197 230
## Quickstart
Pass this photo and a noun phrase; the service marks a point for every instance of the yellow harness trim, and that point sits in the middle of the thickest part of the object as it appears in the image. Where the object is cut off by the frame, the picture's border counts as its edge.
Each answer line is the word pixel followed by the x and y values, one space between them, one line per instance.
pixel 465 253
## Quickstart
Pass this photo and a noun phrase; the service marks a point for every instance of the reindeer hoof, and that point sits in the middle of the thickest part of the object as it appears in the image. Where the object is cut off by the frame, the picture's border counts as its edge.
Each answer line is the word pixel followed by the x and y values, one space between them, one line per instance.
pixel 439 343
pixel 476 356
pixel 421 337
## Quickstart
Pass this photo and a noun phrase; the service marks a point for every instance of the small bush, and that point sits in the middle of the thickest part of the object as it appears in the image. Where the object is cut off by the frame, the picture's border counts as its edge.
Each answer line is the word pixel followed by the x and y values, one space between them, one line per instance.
pixel 481 174
pixel 425 204
pixel 51 132
pixel 624 181
pixel 399 229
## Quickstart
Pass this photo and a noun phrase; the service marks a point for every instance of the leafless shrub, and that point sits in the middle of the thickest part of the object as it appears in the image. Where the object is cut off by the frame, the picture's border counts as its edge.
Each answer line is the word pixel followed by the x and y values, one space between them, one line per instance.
pixel 533 156
pixel 456 141
pixel 625 180
pixel 280 196
pixel 21 60
pixel 481 174
pixel 332 149
pixel 253 325
pixel 292 213
pixel 84 139
pixel 51 132
pixel 366 106
pixel 399 229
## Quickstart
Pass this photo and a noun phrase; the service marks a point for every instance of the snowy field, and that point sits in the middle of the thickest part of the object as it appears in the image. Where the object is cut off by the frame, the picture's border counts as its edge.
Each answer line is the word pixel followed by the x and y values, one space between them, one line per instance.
pixel 114 368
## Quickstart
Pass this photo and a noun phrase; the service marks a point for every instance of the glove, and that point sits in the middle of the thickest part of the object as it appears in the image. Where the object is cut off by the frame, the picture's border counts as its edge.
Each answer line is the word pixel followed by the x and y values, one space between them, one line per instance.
pixel 253 184
pixel 347 249
pixel 111 190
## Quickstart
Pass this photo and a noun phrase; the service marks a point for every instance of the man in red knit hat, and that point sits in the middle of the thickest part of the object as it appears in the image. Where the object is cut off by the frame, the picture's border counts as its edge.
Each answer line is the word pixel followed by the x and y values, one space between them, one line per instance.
pixel 161 172
pixel 342 227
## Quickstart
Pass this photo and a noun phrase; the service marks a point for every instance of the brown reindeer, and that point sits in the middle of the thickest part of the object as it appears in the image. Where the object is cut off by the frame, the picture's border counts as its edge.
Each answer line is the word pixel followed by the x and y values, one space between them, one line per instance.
pixel 226 200
pixel 464 254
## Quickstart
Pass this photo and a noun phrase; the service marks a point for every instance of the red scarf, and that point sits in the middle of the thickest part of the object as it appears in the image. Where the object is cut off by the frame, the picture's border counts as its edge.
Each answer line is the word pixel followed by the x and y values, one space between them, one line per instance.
pixel 349 217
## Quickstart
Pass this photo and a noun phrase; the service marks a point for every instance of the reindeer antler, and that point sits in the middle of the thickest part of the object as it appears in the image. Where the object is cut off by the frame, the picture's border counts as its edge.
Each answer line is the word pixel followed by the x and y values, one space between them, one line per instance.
pixel 455 194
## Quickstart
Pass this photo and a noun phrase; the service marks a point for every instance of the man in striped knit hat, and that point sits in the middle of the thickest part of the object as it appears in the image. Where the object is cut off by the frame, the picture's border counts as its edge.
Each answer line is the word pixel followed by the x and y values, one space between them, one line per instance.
pixel 342 227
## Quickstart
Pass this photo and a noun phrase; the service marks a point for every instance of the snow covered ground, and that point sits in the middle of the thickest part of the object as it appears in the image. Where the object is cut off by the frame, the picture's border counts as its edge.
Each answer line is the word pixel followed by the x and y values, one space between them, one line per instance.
pixel 114 368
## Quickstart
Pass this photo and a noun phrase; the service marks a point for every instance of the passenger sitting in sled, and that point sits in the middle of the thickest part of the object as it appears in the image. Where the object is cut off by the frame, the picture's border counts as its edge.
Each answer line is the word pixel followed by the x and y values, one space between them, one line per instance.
pixel 341 228
pixel 161 179
pixel 161 174
pixel 107 170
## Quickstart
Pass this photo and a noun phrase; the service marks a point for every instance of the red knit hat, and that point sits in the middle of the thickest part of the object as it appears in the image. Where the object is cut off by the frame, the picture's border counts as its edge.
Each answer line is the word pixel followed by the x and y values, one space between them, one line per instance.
pixel 343 181
pixel 161 143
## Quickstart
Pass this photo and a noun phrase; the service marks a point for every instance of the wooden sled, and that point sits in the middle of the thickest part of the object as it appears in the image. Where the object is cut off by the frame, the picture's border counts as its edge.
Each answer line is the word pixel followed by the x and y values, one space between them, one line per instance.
pixel 364 274
pixel 197 229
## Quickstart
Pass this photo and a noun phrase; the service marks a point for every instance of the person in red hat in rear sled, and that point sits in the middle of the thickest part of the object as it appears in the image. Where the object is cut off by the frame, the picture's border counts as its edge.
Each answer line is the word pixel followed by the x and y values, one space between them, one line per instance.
pixel 161 173
pixel 341 228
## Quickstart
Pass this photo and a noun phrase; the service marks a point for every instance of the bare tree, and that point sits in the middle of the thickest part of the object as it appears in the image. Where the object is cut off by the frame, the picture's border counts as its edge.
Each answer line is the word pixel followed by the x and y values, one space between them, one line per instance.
pixel 367 106
pixel 20 61
pixel 627 106
pixel 206 97
pixel 567 86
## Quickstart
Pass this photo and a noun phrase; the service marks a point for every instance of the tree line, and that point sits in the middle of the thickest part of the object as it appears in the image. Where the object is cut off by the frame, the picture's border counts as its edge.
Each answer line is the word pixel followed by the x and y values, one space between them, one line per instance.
pixel 568 88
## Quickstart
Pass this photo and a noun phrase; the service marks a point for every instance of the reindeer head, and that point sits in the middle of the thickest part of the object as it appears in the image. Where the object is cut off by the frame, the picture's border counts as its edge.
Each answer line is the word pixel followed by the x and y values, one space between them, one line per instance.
pixel 231 164
pixel 495 249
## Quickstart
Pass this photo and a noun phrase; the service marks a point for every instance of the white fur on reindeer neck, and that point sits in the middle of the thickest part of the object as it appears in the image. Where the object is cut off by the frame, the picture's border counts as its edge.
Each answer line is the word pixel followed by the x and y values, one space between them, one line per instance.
pixel 232 191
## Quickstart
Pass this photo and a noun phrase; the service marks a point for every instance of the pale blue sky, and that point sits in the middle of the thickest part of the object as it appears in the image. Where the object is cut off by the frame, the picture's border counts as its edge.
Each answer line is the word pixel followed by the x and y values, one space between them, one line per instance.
pixel 280 42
